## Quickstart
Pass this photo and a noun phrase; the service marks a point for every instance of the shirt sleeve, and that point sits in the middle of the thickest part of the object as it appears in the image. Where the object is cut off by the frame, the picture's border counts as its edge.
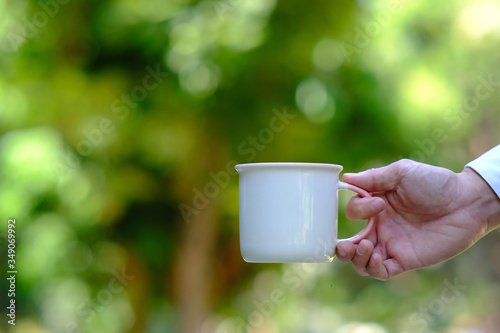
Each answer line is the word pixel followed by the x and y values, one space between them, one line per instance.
pixel 488 166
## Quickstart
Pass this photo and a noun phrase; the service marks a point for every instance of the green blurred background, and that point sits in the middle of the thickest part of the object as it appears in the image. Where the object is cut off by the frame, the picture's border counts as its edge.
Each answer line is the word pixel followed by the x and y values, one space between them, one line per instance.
pixel 121 120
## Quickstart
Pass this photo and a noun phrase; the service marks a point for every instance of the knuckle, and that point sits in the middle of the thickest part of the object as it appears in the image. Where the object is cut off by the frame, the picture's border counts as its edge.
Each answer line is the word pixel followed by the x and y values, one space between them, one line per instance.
pixel 404 167
pixel 372 174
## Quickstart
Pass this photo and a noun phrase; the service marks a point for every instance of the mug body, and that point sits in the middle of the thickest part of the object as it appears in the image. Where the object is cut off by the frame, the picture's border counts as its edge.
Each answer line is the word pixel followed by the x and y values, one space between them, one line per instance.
pixel 288 211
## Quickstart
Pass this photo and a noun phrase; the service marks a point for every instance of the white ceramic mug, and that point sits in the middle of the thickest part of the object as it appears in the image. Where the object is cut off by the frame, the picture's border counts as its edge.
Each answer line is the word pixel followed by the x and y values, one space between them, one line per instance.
pixel 289 211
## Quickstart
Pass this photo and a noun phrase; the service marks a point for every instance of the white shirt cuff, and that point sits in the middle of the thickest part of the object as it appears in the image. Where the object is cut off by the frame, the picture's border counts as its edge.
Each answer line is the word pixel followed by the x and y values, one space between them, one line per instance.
pixel 488 166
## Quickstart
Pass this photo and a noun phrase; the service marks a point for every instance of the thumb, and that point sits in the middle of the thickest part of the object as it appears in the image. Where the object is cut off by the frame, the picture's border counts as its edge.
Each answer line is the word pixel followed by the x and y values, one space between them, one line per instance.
pixel 380 179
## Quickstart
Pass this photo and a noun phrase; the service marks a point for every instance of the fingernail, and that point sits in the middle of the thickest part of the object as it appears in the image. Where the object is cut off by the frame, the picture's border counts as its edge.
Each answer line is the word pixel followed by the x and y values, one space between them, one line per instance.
pixel 361 251
pixel 341 253
pixel 378 205
pixel 372 263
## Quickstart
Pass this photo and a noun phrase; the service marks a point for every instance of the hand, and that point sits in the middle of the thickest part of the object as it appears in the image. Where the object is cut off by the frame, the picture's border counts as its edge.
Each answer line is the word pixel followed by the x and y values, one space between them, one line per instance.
pixel 424 215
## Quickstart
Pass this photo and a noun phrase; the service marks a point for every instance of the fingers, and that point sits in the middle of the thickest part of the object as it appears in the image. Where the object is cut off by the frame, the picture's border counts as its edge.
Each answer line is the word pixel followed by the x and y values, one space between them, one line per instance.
pixel 362 257
pixel 366 262
pixel 363 208
pixel 376 267
pixel 345 251
pixel 390 268
pixel 359 254
pixel 381 179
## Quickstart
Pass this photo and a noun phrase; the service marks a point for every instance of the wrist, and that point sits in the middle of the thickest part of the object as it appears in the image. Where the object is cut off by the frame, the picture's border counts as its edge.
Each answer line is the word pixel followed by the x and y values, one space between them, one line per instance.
pixel 483 203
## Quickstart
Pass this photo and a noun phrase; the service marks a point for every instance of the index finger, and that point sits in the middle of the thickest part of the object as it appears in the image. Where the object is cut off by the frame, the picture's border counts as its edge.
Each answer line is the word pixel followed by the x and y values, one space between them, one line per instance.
pixel 381 179
pixel 363 208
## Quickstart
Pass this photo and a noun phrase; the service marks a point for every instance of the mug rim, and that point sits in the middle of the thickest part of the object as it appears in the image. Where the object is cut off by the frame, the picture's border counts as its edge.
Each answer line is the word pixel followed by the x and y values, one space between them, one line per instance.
pixel 287 165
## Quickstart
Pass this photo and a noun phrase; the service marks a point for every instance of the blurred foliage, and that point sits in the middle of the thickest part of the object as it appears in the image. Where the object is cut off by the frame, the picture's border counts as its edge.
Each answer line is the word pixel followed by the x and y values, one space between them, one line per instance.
pixel 115 113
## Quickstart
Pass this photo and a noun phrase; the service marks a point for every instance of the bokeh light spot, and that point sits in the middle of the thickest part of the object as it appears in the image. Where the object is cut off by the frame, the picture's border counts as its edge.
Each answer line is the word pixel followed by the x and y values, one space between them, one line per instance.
pixel 423 94
pixel 327 55
pixel 312 98
pixel 201 80
pixel 29 156
pixel 479 19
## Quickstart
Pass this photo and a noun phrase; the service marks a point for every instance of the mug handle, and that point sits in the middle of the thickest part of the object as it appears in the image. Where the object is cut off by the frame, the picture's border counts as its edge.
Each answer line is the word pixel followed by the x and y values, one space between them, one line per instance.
pixel 371 222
